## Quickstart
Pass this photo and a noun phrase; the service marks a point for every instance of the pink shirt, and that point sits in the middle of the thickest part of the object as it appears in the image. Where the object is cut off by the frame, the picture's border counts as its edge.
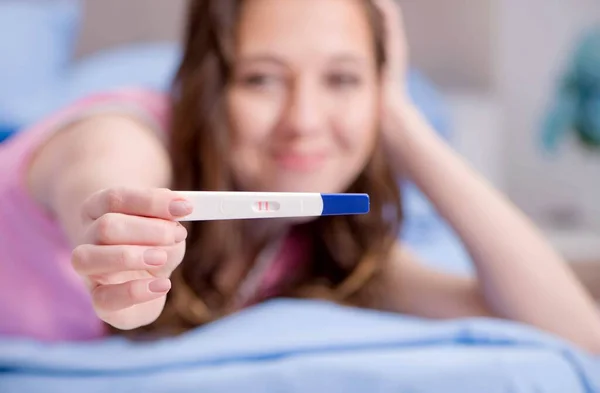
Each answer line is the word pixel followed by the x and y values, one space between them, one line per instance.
pixel 41 296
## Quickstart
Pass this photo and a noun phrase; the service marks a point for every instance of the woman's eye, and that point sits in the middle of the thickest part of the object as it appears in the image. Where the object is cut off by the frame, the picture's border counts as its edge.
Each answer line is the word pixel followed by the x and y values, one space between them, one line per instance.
pixel 258 80
pixel 343 80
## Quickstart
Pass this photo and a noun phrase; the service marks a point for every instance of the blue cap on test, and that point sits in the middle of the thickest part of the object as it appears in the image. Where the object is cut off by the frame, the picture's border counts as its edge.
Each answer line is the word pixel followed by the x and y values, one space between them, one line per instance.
pixel 340 204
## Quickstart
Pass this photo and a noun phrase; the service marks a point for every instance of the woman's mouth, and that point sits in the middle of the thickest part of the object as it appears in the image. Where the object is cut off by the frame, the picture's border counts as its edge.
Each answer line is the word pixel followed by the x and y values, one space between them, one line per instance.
pixel 302 162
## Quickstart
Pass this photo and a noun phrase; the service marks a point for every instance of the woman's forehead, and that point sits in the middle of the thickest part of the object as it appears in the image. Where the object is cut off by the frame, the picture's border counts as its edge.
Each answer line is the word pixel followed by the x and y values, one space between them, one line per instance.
pixel 304 27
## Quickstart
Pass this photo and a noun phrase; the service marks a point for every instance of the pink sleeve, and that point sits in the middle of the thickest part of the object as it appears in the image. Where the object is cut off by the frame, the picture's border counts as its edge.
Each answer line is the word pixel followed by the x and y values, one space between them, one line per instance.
pixel 149 106
pixel 35 268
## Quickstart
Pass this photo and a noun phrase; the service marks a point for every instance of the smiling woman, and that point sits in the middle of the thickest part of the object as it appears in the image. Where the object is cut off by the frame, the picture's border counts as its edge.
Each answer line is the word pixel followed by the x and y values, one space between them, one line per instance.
pixel 271 95
pixel 290 93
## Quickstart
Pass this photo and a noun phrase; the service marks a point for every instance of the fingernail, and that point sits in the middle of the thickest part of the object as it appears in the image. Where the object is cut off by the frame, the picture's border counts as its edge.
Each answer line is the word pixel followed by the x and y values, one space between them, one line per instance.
pixel 180 234
pixel 180 208
pixel 161 285
pixel 155 257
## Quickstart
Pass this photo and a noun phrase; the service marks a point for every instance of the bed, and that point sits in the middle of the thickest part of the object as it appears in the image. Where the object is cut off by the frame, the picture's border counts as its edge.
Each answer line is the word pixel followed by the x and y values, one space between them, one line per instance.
pixel 310 346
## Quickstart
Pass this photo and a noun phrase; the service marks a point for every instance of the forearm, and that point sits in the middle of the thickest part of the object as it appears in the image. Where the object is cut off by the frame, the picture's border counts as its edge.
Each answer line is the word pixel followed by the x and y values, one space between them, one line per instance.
pixel 520 275
pixel 104 152
pixel 78 184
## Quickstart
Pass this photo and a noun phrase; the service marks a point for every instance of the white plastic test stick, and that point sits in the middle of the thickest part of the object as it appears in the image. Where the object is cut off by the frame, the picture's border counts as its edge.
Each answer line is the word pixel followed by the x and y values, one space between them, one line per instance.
pixel 216 205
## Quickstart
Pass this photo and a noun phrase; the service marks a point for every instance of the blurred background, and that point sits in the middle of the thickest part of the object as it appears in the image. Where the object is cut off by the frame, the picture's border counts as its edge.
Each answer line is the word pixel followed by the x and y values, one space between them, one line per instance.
pixel 514 84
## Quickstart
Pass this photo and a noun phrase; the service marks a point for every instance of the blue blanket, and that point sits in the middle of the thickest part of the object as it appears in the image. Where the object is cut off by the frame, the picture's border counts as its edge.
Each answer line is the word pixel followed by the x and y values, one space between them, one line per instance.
pixel 306 346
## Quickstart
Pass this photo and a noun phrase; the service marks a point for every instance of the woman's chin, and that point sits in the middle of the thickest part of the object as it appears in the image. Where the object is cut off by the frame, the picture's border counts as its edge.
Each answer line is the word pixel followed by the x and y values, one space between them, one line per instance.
pixel 301 186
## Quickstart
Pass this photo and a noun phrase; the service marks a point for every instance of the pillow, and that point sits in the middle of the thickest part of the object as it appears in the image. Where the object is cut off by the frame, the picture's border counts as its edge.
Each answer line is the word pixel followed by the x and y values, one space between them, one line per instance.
pixel 149 65
pixel 36 45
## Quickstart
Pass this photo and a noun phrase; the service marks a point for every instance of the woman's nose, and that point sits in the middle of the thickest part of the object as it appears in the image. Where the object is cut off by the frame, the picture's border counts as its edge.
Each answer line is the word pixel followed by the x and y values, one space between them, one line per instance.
pixel 305 111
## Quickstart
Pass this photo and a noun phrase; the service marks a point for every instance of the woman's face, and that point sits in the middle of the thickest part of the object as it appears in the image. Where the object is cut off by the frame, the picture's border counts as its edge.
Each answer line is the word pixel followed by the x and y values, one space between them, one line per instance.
pixel 303 101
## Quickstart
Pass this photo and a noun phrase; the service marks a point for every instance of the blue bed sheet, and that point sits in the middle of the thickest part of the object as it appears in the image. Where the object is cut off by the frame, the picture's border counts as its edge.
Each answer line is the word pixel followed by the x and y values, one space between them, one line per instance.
pixel 310 346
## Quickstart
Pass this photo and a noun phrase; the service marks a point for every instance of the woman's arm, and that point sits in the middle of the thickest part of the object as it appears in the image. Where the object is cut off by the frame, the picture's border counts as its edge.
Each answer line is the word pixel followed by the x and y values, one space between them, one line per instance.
pixel 101 152
pixel 520 277
pixel 105 181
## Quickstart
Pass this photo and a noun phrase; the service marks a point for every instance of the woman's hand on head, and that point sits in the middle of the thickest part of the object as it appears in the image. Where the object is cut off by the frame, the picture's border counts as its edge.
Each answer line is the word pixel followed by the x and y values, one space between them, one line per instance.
pixel 395 102
pixel 131 246
pixel 396 47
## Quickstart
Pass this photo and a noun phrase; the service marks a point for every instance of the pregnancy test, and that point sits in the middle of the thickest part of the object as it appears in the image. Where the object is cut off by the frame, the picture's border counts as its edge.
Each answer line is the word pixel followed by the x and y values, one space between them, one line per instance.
pixel 222 205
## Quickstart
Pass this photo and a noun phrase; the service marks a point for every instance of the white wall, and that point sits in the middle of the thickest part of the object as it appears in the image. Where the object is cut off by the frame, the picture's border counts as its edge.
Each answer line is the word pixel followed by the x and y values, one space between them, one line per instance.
pixel 499 75
pixel 535 38
pixel 450 40
pixel 108 23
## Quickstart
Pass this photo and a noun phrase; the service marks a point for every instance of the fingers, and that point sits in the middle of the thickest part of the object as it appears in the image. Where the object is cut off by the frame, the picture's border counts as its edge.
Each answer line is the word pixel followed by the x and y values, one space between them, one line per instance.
pixel 131 242
pixel 115 297
pixel 116 228
pixel 156 203
pixel 391 12
pixel 394 26
pixel 93 260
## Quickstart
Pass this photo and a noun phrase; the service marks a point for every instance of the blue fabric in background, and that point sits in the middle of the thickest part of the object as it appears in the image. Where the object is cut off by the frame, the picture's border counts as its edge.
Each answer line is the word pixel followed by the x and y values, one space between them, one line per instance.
pixel 290 346
pixel 36 47
pixel 149 65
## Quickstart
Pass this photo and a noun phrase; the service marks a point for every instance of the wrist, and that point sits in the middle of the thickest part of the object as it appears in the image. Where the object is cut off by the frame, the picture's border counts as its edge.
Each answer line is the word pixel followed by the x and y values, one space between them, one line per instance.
pixel 404 125
pixel 410 142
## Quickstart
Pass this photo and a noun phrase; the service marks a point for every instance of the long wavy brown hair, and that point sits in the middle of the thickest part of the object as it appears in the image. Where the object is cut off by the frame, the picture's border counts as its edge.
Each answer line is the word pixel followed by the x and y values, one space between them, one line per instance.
pixel 346 251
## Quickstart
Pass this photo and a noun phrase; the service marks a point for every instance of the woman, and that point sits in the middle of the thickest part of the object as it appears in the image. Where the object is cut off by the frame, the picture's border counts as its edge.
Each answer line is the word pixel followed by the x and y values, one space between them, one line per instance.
pixel 297 95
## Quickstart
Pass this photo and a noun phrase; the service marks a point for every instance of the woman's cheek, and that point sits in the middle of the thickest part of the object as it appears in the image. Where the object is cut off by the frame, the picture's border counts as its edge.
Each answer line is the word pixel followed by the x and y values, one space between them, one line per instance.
pixel 358 130
pixel 252 121
pixel 253 117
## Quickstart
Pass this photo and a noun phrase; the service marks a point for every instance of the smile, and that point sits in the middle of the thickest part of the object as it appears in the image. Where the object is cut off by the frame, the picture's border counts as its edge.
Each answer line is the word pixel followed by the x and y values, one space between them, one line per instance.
pixel 303 162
